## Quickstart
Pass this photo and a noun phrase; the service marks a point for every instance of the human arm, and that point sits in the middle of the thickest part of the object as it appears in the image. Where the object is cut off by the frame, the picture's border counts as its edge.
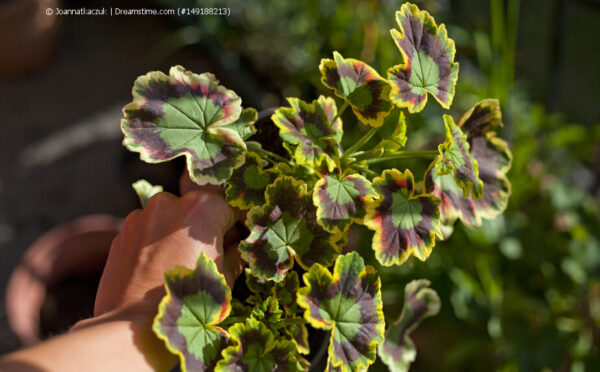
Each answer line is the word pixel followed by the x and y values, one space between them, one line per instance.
pixel 169 231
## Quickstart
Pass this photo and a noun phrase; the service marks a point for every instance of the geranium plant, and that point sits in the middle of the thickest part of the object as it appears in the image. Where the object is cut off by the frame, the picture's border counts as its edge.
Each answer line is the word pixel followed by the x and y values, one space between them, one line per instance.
pixel 302 200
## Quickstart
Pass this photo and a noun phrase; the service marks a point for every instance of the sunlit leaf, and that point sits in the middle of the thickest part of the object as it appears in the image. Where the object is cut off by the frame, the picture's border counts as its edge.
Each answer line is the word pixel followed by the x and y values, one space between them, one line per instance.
pixel 268 313
pixel 244 126
pixel 393 132
pixel 492 153
pixel 360 85
pixel 185 114
pixel 398 351
pixel 196 302
pixel 145 190
pixel 428 56
pixel 246 186
pixel 307 126
pixel 257 350
pixel 455 157
pixel 349 304
pixel 494 159
pixel 404 223
pixel 286 228
pixel 342 200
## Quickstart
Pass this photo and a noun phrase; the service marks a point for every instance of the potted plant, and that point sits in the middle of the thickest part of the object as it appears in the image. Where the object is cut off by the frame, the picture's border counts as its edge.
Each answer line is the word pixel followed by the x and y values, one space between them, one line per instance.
pixel 303 196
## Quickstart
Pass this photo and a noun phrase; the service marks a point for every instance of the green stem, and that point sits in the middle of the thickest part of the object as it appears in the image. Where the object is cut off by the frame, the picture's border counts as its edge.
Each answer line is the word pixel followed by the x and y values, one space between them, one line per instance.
pixel 340 112
pixel 364 170
pixel 360 143
pixel 288 322
pixel 254 147
pixel 427 154
pixel 233 319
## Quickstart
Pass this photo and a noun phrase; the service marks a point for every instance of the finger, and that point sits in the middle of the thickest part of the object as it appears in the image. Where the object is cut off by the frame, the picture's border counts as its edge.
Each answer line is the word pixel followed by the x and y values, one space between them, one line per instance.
pixel 232 264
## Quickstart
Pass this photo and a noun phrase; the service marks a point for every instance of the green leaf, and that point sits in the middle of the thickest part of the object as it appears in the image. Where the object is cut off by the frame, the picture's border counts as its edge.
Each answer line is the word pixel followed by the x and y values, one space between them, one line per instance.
pixel 307 126
pixel 349 304
pixel 284 228
pixel 494 159
pixel 393 132
pixel 244 126
pixel 185 114
pixel 259 287
pixel 196 302
pixel 247 184
pixel 359 85
pixel 340 201
pixel 298 334
pixel 428 56
pixel 398 351
pixel 145 190
pixel 257 350
pixel 455 157
pixel 285 292
pixel 268 313
pixel 404 223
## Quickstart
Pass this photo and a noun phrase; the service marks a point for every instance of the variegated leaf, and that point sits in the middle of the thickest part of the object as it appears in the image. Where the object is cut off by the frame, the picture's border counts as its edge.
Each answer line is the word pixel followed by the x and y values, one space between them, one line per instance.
pixel 185 114
pixel 347 302
pixel 398 351
pixel 145 190
pixel 428 66
pixel 308 127
pixel 455 157
pixel 257 350
pixel 359 85
pixel 342 200
pixel 494 159
pixel 286 228
pixel 188 316
pixel 405 224
pixel 246 186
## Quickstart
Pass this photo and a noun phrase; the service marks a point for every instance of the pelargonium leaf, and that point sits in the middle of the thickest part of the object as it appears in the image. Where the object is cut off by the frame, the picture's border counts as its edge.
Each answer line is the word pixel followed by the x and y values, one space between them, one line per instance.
pixel 428 66
pixel 404 223
pixel 247 184
pixel 244 125
pixel 257 350
pixel 196 302
pixel 398 351
pixel 285 292
pixel 349 304
pixel 393 132
pixel 494 159
pixel 358 84
pixel 308 126
pixel 342 200
pixel 185 114
pixel 298 334
pixel 286 228
pixel 492 153
pixel 455 157
pixel 145 190
pixel 268 313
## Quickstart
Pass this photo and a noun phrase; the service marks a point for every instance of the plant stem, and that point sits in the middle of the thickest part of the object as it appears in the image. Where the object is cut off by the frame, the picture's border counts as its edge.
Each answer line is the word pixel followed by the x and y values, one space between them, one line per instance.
pixel 364 169
pixel 427 154
pixel 322 350
pixel 340 112
pixel 288 322
pixel 254 147
pixel 360 143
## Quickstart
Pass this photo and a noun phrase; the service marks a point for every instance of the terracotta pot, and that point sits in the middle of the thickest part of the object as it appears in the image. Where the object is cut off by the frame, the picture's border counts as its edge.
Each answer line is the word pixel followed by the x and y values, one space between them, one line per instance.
pixel 76 248
pixel 28 35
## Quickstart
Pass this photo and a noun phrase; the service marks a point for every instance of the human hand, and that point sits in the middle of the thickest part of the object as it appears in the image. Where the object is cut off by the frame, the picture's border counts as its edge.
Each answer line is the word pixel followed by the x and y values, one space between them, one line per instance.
pixel 169 231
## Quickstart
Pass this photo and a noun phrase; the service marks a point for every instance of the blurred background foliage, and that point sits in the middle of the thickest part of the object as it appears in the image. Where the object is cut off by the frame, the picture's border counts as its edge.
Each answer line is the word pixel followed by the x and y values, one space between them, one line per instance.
pixel 523 292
